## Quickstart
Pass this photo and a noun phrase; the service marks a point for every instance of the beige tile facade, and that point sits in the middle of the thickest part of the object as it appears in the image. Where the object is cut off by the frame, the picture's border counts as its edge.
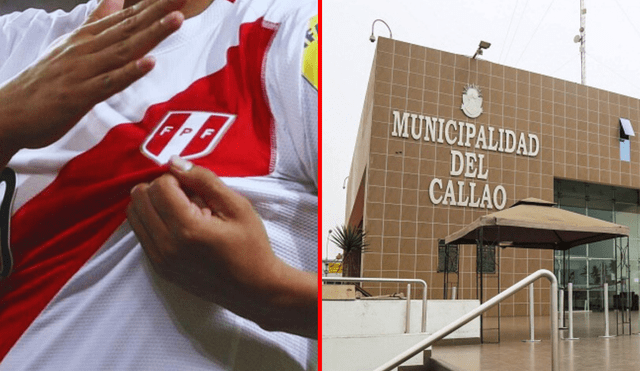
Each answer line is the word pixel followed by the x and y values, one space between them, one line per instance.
pixel 577 127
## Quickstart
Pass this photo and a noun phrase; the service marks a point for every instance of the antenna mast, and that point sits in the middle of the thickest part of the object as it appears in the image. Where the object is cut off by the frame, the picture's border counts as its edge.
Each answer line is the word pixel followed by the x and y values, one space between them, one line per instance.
pixel 583 72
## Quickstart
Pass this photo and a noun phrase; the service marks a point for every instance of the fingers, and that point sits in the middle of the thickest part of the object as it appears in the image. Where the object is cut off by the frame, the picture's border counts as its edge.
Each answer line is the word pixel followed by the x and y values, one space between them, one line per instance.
pixel 129 22
pixel 102 87
pixel 144 236
pixel 136 46
pixel 159 224
pixel 119 66
pixel 209 187
pixel 104 9
pixel 181 216
pixel 115 56
pixel 107 15
pixel 146 218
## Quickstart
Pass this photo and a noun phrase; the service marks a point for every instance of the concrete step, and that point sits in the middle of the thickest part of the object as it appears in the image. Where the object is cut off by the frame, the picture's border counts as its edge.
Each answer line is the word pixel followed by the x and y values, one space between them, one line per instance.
pixel 431 364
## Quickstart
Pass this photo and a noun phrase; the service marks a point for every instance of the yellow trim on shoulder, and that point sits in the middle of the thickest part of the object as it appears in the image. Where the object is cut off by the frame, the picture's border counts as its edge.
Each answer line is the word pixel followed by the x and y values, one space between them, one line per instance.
pixel 310 57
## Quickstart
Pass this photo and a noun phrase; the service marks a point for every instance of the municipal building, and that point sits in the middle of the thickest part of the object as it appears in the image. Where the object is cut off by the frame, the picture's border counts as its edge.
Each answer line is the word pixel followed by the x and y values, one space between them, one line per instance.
pixel 445 139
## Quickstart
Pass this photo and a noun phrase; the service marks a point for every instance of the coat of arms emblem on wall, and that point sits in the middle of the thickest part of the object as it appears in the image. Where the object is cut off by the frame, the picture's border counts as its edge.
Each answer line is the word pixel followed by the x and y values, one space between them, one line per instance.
pixel 472 101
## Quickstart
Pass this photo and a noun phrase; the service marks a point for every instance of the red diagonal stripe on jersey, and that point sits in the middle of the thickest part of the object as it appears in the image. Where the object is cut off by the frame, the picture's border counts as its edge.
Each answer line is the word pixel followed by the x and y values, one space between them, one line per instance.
pixel 57 231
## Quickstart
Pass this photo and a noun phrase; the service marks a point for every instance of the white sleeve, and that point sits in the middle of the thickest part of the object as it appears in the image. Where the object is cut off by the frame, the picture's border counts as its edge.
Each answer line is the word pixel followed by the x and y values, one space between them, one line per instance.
pixel 25 36
pixel 294 96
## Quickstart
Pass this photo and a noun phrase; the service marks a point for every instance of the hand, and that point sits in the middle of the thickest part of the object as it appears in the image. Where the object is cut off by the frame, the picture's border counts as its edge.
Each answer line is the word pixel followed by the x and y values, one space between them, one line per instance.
pixel 203 236
pixel 99 59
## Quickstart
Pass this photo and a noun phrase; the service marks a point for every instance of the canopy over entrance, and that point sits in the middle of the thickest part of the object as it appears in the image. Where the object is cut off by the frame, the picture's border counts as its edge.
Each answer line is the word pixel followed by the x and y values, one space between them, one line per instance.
pixel 534 223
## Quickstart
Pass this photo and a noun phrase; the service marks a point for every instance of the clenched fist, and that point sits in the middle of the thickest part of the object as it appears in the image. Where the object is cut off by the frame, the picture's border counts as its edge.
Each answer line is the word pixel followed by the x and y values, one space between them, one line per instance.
pixel 208 239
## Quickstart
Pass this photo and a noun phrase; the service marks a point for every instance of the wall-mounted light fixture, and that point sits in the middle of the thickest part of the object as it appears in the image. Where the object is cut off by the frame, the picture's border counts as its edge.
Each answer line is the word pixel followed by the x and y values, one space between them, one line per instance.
pixel 372 38
pixel 483 45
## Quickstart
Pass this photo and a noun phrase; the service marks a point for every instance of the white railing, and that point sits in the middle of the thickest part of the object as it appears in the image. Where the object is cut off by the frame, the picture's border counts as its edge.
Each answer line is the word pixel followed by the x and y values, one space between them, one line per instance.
pixel 408 281
pixel 398 360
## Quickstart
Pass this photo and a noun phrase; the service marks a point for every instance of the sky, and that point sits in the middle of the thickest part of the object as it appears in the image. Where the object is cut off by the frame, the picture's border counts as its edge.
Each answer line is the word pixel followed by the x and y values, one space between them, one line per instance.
pixel 534 35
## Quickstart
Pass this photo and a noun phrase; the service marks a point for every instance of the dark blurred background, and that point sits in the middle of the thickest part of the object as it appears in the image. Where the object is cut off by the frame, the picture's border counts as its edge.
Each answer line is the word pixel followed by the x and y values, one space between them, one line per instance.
pixel 8 6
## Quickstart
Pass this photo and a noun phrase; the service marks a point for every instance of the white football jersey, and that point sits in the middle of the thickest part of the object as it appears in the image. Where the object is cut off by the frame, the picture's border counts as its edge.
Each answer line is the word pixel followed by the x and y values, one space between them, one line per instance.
pixel 233 90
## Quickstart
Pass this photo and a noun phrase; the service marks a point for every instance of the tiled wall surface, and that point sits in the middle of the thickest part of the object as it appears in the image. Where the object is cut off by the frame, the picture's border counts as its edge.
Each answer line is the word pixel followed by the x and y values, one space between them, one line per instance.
pixel 578 131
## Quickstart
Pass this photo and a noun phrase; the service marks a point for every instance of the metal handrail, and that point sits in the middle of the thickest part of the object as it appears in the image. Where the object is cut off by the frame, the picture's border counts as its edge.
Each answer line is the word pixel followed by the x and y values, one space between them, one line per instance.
pixel 401 358
pixel 395 280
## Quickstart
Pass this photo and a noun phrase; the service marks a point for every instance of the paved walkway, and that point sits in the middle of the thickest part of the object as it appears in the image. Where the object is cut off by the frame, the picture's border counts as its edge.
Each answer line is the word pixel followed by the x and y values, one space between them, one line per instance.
pixel 590 352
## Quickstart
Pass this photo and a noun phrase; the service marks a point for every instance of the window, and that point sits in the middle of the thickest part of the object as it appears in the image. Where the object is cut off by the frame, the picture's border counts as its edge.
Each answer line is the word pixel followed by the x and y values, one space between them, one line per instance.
pixel 448 254
pixel 592 264
pixel 486 263
pixel 626 131
pixel 625 150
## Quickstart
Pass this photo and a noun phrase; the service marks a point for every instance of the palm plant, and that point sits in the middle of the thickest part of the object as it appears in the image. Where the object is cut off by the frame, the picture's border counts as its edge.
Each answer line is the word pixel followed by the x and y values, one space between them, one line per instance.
pixel 595 275
pixel 352 240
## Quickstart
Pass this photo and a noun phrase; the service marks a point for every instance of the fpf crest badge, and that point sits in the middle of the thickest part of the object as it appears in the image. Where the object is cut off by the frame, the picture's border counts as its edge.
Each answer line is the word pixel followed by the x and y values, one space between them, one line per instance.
pixel 188 134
